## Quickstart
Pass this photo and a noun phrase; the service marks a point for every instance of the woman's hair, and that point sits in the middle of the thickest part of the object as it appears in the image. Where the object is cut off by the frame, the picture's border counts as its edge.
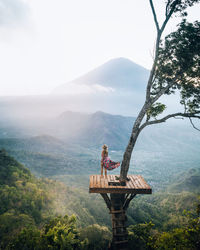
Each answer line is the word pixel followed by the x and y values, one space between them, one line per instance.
pixel 105 146
pixel 105 150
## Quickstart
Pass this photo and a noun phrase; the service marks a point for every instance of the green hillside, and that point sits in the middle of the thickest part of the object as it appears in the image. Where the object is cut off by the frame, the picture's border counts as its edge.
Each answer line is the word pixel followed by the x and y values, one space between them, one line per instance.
pixel 28 203
pixel 12 171
pixel 22 200
pixel 188 181
pixel 47 156
pixel 33 213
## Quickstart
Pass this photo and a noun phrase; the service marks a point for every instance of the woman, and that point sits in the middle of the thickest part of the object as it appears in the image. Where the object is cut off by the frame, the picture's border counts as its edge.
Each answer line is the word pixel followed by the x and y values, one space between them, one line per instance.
pixel 106 162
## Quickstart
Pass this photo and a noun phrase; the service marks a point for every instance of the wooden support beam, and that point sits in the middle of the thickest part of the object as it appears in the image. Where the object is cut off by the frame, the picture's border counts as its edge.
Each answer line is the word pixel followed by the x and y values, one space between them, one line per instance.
pixel 128 200
pixel 107 200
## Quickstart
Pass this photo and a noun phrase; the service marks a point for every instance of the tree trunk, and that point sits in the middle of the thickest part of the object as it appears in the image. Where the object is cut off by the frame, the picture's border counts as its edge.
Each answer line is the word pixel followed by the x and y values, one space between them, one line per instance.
pixel 133 138
pixel 118 213
pixel 117 204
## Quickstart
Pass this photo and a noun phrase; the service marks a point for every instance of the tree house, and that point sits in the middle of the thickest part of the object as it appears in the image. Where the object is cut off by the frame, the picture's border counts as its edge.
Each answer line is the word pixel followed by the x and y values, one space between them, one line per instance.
pixel 118 201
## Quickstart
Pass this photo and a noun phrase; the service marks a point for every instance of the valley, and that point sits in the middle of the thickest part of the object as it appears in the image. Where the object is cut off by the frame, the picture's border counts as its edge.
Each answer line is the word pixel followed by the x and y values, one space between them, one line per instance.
pixel 72 147
pixel 50 145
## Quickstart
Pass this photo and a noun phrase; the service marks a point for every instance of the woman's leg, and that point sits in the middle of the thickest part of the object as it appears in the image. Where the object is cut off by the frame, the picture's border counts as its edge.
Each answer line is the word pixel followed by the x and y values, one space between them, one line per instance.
pixel 105 172
pixel 101 169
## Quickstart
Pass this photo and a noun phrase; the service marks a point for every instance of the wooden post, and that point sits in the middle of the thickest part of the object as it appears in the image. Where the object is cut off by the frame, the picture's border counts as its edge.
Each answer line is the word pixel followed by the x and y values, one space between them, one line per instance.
pixel 118 217
pixel 118 204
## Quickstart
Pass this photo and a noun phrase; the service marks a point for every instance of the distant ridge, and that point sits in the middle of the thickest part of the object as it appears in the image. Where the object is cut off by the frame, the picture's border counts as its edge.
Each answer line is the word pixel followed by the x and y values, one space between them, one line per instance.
pixel 94 129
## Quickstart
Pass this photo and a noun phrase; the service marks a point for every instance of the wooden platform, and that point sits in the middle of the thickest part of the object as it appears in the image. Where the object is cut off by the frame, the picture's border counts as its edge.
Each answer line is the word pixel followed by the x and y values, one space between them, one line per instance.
pixel 135 185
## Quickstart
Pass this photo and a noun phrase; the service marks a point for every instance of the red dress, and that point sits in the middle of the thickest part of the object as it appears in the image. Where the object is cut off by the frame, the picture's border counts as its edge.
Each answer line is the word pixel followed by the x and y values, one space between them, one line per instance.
pixel 108 164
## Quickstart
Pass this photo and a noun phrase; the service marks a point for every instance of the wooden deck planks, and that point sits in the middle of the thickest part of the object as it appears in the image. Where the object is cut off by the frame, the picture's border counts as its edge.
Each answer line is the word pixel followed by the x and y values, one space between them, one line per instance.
pixel 95 181
pixel 144 182
pixel 136 185
pixel 137 182
pixel 132 182
pixel 129 184
pixel 91 180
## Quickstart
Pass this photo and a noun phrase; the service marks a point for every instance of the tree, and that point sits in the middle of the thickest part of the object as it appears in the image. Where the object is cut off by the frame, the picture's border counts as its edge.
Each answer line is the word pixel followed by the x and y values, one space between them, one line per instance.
pixel 97 237
pixel 139 235
pixel 184 237
pixel 176 68
pixel 61 233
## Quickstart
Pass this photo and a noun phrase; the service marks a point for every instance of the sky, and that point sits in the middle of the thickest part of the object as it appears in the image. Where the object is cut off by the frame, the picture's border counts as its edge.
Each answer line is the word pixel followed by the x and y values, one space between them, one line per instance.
pixel 46 43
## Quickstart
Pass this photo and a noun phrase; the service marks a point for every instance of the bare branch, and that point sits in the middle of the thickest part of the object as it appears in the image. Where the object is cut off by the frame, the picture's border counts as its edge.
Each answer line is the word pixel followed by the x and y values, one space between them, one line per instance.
pixel 149 84
pixel 159 33
pixel 166 9
pixel 154 15
pixel 175 115
pixel 193 124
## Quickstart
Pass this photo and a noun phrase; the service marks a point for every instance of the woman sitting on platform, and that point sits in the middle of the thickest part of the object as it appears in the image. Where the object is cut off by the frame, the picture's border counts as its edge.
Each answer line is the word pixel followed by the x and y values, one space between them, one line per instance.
pixel 106 162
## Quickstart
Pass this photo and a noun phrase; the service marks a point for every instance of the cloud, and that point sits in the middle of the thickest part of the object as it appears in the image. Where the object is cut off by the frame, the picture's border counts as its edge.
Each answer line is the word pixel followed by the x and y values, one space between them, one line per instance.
pixel 77 89
pixel 13 12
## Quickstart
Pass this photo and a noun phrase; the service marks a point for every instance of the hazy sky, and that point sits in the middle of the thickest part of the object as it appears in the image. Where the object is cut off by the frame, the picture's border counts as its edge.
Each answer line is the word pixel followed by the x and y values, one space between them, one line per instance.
pixel 45 43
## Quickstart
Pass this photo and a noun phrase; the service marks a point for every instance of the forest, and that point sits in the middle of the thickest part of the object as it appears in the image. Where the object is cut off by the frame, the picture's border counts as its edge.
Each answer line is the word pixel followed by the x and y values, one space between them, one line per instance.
pixel 40 213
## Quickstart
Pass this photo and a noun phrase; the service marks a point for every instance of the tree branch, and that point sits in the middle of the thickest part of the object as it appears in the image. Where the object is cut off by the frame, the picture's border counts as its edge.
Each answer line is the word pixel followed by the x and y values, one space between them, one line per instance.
pixel 154 15
pixel 193 124
pixel 168 16
pixel 149 84
pixel 159 33
pixel 166 9
pixel 164 89
pixel 161 92
pixel 187 115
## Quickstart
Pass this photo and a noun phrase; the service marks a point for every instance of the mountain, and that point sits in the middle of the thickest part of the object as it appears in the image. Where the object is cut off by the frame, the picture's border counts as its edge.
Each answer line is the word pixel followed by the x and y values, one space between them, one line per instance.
pixel 118 74
pixel 94 130
pixel 117 87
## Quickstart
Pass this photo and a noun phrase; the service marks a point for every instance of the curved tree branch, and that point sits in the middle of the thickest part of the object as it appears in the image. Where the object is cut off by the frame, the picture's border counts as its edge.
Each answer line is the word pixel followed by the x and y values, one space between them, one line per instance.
pixel 187 115
pixel 193 124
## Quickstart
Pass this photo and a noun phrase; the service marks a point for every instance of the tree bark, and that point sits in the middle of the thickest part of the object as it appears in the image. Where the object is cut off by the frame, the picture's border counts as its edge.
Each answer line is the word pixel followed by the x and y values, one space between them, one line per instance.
pixel 133 138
